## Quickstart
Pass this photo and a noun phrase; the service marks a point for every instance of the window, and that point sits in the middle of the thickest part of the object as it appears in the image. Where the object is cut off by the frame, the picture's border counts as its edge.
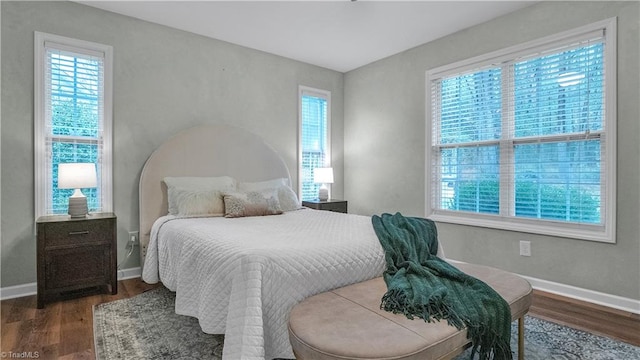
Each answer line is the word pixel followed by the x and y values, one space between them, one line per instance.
pixel 524 138
pixel 313 139
pixel 72 118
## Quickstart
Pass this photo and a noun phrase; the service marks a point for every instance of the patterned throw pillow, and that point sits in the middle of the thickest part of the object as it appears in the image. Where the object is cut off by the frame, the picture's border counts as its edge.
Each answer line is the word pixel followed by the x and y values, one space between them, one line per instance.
pixel 252 203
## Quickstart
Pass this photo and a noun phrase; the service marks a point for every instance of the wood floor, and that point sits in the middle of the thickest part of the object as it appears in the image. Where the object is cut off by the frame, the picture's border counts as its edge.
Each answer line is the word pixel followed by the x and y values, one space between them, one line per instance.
pixel 596 319
pixel 64 330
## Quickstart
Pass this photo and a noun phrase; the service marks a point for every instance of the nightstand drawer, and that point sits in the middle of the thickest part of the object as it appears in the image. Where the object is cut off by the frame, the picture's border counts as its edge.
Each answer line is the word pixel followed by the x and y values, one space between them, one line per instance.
pixel 328 205
pixel 78 232
pixel 335 206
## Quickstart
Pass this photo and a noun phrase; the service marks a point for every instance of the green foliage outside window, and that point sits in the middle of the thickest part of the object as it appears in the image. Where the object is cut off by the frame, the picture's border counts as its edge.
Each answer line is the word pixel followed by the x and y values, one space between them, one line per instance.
pixel 314 142
pixel 548 112
pixel 75 121
pixel 533 200
pixel 68 152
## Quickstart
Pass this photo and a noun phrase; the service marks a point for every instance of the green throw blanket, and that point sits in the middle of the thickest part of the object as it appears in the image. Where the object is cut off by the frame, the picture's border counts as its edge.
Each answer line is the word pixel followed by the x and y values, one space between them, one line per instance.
pixel 420 284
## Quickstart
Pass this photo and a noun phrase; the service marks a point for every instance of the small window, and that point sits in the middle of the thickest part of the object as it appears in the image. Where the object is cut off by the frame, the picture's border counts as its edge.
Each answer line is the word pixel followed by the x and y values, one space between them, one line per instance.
pixel 313 140
pixel 72 119
pixel 524 139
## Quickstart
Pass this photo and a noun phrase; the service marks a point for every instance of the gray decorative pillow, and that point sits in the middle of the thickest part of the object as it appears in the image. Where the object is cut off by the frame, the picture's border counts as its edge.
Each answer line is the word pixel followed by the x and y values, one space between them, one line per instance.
pixel 252 203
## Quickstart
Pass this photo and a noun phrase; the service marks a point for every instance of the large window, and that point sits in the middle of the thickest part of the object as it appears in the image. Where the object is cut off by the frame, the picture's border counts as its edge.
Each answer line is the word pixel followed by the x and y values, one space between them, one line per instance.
pixel 524 138
pixel 313 139
pixel 72 119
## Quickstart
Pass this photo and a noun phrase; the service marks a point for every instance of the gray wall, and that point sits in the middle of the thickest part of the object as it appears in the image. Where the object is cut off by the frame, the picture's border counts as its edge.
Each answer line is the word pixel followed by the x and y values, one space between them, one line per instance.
pixel 385 146
pixel 165 80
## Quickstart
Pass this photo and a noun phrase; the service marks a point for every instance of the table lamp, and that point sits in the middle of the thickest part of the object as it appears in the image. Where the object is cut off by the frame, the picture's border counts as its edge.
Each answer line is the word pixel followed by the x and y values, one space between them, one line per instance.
pixel 323 176
pixel 77 176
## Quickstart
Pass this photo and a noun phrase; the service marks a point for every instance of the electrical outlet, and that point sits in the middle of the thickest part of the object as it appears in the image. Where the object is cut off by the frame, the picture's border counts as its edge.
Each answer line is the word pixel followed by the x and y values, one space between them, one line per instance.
pixel 133 239
pixel 525 248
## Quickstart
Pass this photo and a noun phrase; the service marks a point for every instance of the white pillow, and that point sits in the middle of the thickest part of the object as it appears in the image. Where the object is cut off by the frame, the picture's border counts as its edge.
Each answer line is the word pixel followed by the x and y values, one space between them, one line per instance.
pixel 287 197
pixel 262 185
pixel 197 195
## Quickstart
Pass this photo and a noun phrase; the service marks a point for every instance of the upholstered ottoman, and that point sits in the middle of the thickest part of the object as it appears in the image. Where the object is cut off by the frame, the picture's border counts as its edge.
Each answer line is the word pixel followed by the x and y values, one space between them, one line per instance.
pixel 347 323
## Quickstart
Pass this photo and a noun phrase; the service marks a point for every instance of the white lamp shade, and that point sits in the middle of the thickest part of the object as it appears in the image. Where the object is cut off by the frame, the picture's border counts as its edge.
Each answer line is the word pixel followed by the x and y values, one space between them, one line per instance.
pixel 323 175
pixel 77 176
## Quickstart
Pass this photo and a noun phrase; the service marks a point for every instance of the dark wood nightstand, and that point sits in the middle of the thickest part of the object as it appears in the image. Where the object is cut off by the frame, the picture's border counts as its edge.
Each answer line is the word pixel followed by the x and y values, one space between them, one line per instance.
pixel 330 205
pixel 76 256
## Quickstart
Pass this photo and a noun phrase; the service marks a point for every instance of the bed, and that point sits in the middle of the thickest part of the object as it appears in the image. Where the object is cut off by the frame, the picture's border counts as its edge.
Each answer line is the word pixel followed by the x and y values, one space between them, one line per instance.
pixel 242 276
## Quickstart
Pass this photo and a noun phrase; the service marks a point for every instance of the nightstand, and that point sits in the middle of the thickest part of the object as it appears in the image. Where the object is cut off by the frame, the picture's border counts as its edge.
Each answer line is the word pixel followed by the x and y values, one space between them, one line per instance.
pixel 76 256
pixel 330 205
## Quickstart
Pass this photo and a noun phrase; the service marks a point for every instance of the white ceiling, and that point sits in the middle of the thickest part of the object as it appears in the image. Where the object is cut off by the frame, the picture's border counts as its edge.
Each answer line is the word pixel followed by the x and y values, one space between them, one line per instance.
pixel 339 35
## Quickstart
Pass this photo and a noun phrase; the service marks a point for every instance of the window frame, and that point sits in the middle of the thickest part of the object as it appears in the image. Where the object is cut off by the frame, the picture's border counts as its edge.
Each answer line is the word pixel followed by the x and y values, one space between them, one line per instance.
pixel 41 158
pixel 326 94
pixel 605 232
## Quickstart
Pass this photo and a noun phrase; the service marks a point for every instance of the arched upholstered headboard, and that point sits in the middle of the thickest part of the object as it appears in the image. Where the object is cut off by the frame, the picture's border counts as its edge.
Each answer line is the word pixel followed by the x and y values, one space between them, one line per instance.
pixel 207 150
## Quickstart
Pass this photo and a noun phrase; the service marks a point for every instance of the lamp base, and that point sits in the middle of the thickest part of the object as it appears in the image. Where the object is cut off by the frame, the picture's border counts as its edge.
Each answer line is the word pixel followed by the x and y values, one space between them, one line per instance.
pixel 323 194
pixel 78 207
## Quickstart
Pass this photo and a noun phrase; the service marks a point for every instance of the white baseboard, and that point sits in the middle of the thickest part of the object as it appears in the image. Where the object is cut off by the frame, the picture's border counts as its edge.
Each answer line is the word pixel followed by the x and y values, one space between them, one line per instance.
pixel 129 273
pixel 17 291
pixel 594 297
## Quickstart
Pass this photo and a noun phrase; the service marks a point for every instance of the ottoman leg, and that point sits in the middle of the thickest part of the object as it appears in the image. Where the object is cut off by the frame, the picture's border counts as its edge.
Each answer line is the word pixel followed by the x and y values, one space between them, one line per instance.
pixel 521 338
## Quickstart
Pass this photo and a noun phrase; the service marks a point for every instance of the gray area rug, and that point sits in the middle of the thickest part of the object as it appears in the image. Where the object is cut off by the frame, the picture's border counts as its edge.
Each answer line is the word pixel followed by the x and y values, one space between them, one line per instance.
pixel 146 327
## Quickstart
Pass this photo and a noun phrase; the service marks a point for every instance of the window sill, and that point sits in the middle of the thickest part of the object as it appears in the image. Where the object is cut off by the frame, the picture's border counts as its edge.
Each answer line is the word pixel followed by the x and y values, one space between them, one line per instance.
pixel 551 228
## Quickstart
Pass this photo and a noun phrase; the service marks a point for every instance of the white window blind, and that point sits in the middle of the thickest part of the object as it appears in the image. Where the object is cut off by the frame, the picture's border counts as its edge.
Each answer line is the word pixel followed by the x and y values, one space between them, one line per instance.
pixel 72 119
pixel 314 140
pixel 522 140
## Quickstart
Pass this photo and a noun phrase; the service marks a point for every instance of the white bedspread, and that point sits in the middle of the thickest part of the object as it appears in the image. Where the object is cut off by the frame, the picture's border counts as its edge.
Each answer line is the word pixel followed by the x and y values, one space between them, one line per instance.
pixel 242 276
